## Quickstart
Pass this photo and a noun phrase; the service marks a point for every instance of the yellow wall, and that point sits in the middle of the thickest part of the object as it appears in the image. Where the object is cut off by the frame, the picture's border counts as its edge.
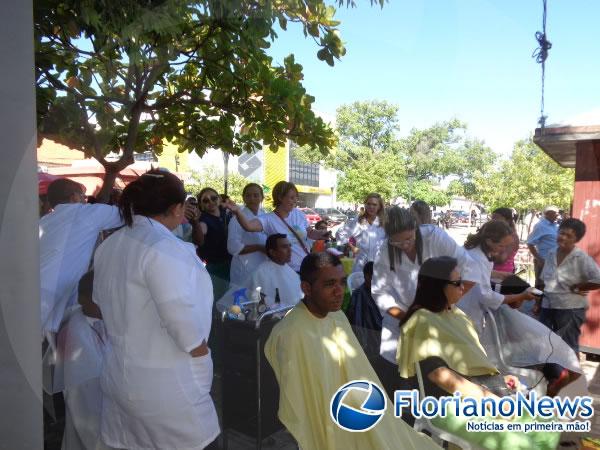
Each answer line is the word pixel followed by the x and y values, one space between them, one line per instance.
pixel 276 169
pixel 167 158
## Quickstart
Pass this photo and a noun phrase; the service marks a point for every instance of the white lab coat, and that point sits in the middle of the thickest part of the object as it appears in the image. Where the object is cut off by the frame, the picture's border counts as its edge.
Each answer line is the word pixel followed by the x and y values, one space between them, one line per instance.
pixel 270 276
pixel 368 240
pixel 398 288
pixel 242 266
pixel 481 297
pixel 80 343
pixel 67 239
pixel 156 301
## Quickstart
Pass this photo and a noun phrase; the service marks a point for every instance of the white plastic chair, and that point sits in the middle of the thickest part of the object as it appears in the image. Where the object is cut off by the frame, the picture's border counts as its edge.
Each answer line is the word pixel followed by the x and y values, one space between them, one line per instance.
pixel 437 434
pixel 354 280
pixel 529 377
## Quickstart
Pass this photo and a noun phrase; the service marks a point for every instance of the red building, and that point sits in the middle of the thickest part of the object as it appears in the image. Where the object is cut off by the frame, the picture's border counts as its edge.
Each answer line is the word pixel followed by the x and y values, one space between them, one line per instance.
pixel 578 147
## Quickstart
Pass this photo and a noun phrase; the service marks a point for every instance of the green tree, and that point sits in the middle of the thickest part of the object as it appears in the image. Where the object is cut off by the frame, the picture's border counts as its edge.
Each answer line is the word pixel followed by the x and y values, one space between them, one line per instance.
pixel 475 160
pixel 529 180
pixel 120 76
pixel 213 177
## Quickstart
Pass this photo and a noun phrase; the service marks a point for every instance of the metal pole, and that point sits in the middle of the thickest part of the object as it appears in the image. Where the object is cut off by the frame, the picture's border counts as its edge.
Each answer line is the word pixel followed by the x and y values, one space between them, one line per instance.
pixel 225 172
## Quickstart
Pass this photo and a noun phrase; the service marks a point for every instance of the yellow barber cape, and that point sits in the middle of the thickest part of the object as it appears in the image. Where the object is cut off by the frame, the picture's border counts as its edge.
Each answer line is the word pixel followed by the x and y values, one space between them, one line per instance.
pixel 449 335
pixel 312 358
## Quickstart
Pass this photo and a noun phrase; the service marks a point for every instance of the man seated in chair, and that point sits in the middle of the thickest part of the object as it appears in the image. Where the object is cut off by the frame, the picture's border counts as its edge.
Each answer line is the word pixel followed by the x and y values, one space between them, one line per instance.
pixel 275 277
pixel 314 352
pixel 364 315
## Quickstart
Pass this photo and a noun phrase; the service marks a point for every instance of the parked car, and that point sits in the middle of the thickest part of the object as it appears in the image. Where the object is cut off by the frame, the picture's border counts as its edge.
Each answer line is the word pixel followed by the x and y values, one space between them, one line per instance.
pixel 461 217
pixel 311 216
pixel 331 215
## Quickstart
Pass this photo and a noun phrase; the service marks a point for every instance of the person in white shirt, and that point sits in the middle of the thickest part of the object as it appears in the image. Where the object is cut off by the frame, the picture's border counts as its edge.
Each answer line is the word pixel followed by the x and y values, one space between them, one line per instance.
pixel 68 236
pixel 276 275
pixel 155 297
pixel 285 219
pixel 395 276
pixel 367 230
pixel 484 247
pixel 247 248
pixel 524 341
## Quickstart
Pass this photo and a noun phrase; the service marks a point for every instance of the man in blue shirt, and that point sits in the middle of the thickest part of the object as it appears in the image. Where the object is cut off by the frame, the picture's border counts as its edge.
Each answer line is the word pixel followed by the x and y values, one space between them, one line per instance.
pixel 542 240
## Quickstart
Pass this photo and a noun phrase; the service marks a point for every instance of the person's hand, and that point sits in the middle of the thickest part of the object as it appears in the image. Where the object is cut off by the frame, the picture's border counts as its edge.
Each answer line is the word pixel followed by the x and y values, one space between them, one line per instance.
pixel 512 382
pixel 527 295
pixel 231 206
pixel 191 213
pixel 537 308
pixel 575 289
pixel 516 304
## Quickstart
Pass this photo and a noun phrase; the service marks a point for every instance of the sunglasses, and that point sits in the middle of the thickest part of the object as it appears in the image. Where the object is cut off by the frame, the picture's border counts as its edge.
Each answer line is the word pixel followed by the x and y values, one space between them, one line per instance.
pixel 212 198
pixel 457 283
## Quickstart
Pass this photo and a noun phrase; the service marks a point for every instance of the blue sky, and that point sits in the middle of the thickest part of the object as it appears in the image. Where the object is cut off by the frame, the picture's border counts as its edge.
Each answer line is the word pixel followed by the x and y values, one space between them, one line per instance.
pixel 469 59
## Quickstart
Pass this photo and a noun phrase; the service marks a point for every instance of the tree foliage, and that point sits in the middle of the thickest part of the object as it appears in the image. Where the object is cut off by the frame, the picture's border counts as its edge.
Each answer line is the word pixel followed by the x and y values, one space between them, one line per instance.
pixel 371 157
pixel 213 177
pixel 529 180
pixel 122 75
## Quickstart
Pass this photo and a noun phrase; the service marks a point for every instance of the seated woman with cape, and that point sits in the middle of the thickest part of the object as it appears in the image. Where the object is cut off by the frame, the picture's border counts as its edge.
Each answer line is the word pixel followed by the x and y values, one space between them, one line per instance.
pixel 442 340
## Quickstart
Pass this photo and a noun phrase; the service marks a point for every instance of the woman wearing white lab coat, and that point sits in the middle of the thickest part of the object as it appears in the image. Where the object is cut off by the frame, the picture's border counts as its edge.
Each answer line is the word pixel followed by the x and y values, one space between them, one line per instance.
pixel 395 273
pixel 156 299
pixel 367 230
pixel 247 248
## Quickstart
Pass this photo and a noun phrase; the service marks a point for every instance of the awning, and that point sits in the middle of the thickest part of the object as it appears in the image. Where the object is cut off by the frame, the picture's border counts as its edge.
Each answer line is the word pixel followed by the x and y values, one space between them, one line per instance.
pixel 560 143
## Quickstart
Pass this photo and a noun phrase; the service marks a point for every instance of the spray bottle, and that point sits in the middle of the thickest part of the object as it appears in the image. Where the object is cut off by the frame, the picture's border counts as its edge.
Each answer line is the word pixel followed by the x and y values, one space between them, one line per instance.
pixel 235 310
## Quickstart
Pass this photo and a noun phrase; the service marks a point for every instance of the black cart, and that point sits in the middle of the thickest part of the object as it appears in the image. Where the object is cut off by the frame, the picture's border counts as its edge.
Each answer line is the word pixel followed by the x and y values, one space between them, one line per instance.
pixel 250 391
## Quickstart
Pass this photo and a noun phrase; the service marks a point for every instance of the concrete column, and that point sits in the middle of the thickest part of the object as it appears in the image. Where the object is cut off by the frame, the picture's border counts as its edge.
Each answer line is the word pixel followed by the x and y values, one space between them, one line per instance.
pixel 20 340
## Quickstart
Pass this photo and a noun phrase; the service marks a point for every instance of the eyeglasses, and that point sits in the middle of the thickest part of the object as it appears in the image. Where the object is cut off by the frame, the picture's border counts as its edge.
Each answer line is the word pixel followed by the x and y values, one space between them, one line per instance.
pixel 403 243
pixel 212 198
pixel 457 283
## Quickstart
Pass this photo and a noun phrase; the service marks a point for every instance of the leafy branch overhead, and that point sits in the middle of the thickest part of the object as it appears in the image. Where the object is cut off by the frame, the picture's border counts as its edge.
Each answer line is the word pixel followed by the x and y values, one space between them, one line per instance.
pixel 122 75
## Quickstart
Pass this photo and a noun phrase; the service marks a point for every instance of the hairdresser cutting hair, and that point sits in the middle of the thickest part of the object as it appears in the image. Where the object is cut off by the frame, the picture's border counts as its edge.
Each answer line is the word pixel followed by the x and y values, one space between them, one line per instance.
pixel 525 342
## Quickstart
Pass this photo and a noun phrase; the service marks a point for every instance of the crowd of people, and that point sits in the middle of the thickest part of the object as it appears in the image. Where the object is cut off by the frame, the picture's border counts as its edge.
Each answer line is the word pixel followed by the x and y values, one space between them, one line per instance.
pixel 130 293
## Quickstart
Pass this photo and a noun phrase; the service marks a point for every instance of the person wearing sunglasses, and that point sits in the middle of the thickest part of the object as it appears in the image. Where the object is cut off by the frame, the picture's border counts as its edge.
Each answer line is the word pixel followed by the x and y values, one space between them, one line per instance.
pixel 525 341
pixel 439 338
pixel 212 247
pixel 395 271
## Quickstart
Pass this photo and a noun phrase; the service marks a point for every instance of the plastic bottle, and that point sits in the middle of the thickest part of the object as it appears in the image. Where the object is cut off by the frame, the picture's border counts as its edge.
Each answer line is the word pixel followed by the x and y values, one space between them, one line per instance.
pixel 277 298
pixel 235 311
pixel 262 304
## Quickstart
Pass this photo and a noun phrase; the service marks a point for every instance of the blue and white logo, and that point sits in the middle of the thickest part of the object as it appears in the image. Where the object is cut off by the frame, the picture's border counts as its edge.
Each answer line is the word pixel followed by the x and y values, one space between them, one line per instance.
pixel 370 412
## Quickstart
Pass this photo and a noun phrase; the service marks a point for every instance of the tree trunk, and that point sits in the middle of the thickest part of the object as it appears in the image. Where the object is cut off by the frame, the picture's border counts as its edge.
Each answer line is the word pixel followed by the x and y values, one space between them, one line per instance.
pixel 112 170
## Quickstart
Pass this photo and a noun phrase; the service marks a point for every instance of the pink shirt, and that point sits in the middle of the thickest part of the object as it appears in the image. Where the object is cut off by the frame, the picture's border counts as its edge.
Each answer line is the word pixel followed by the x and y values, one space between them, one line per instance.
pixel 509 264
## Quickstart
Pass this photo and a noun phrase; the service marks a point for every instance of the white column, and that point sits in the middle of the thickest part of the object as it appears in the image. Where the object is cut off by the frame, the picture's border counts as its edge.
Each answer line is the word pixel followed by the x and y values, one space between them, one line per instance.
pixel 20 341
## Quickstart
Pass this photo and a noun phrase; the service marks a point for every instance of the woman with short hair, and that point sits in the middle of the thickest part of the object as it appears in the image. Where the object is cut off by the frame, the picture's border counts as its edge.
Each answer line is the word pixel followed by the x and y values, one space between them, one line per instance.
pixel 367 231
pixel 569 274
pixel 156 299
pixel 247 248
pixel 285 219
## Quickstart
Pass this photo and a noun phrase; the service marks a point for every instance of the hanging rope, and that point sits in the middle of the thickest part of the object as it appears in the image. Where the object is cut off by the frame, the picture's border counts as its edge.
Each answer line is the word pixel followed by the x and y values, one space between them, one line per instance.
pixel 540 54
